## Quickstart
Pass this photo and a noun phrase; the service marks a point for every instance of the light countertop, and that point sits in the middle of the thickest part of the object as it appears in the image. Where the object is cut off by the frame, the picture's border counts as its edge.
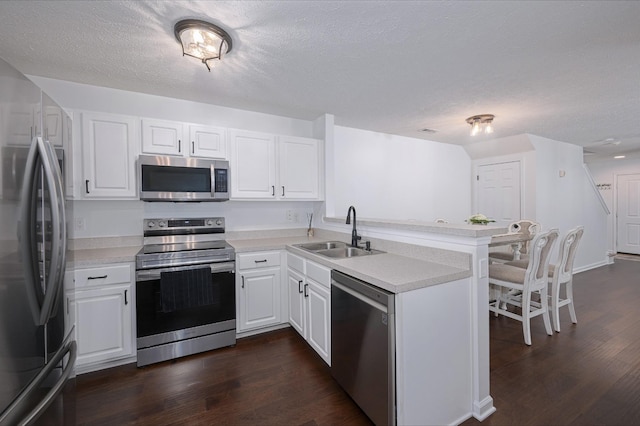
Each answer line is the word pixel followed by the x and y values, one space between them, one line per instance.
pixel 389 271
pixel 102 256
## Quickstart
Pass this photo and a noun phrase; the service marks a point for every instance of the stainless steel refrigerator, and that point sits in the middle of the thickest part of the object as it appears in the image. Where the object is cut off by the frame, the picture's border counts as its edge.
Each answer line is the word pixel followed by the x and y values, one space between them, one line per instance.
pixel 36 355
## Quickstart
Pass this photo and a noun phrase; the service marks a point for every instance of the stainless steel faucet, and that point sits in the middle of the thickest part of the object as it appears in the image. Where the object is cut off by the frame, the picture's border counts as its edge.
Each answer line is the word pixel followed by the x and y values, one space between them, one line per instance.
pixel 354 234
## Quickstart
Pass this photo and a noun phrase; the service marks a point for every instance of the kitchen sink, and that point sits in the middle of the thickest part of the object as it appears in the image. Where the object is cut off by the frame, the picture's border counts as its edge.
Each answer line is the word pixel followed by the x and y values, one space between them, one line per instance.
pixel 344 252
pixel 336 249
pixel 322 246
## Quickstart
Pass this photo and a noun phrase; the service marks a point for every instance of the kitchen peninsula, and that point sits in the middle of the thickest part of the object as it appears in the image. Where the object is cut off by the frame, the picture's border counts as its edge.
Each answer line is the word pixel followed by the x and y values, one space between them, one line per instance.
pixel 439 276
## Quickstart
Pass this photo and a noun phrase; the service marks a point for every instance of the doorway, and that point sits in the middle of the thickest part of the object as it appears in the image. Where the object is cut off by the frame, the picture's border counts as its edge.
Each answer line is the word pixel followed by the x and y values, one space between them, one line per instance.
pixel 499 192
pixel 628 214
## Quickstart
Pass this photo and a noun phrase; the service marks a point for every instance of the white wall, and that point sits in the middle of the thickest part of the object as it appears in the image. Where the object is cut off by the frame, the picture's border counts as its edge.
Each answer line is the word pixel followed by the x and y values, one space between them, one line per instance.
pixel 553 201
pixel 567 201
pixel 102 99
pixel 395 177
pixel 606 172
pixel 124 218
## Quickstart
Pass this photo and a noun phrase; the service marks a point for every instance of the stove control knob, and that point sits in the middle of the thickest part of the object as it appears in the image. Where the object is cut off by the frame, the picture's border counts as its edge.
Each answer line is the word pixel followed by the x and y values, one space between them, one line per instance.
pixel 219 222
pixel 151 224
pixel 209 222
pixel 162 224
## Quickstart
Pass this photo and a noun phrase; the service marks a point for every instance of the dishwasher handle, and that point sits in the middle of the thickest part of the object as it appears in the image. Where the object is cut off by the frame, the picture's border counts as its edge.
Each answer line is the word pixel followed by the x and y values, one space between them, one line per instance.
pixel 377 305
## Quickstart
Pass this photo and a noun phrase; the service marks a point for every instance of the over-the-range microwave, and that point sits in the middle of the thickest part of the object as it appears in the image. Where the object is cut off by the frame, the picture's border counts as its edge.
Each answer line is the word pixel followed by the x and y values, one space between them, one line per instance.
pixel 164 178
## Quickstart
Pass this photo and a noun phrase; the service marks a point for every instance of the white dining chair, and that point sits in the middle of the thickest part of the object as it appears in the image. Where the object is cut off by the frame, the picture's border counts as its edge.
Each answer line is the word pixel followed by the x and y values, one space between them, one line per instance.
pixel 517 285
pixel 561 274
pixel 527 227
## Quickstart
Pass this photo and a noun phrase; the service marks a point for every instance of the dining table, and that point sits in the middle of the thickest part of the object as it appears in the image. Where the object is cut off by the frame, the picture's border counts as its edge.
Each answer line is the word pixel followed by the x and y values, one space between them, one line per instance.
pixel 516 240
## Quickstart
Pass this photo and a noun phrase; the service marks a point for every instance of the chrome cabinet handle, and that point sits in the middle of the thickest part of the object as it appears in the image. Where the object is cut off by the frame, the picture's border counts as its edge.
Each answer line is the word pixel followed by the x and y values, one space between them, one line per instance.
pixel 193 147
pixel 242 281
pixel 306 293
pixel 261 261
pixel 97 278
pixel 179 146
pixel 283 191
pixel 273 191
pixel 86 185
pixel 300 286
pixel 126 302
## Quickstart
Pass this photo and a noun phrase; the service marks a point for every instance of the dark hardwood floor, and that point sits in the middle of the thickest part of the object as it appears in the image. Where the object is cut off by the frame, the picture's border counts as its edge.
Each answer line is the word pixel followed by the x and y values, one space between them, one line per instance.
pixel 589 374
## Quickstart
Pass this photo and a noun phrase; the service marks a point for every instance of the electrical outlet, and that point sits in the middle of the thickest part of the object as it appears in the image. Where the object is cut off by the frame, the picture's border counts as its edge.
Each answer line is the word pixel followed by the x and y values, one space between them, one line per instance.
pixel 292 216
pixel 81 225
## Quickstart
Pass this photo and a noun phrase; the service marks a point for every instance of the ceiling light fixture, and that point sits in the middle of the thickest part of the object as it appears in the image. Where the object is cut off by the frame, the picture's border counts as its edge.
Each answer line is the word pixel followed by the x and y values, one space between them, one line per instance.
pixel 481 123
pixel 618 156
pixel 202 40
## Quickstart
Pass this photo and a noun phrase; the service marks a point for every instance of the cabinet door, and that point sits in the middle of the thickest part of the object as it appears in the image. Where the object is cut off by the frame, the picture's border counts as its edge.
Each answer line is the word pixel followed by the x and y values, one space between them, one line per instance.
pixel 103 323
pixel 253 165
pixel 208 142
pixel 259 298
pixel 295 288
pixel 109 150
pixel 162 137
pixel 299 165
pixel 318 301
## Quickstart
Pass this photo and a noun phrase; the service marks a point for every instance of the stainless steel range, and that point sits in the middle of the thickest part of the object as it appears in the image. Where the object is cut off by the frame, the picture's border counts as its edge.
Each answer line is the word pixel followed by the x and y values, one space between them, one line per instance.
pixel 185 289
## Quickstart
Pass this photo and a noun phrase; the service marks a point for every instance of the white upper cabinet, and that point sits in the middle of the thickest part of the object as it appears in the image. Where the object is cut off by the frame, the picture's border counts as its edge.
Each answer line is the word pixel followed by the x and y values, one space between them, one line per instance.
pixel 109 148
pixel 208 142
pixel 265 166
pixel 253 164
pixel 299 165
pixel 162 137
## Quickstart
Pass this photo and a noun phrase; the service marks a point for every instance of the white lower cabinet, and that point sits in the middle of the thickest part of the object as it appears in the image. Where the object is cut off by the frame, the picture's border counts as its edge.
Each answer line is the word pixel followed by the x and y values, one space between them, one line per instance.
pixel 100 304
pixel 309 289
pixel 258 290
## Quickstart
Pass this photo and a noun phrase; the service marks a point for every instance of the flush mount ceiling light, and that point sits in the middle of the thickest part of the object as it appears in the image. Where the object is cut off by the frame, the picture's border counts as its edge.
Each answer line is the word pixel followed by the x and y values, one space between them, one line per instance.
pixel 481 123
pixel 202 40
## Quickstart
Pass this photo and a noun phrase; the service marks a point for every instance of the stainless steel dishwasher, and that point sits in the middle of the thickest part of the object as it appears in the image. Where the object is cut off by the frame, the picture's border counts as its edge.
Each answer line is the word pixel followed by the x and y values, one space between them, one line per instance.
pixel 363 345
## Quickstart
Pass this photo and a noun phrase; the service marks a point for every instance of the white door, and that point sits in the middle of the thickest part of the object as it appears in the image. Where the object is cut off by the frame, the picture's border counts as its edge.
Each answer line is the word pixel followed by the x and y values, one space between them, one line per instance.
pixel 628 214
pixel 109 146
pixel 318 315
pixel 207 141
pixel 498 192
pixel 299 167
pixel 162 137
pixel 259 298
pixel 295 284
pixel 103 323
pixel 253 165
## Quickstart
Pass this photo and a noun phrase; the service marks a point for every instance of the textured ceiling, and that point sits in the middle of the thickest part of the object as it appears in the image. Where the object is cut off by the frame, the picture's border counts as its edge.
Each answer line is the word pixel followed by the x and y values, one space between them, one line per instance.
pixel 568 71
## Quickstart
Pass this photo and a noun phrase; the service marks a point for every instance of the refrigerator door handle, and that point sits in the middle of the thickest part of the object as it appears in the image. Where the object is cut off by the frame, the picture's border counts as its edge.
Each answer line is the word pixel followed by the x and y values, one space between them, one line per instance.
pixel 26 239
pixel 59 234
pixel 70 347
pixel 42 306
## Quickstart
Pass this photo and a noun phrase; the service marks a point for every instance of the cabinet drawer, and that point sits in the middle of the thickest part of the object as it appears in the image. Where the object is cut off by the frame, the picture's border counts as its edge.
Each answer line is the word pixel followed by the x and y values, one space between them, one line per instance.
pixel 92 277
pixel 258 260
pixel 295 262
pixel 318 273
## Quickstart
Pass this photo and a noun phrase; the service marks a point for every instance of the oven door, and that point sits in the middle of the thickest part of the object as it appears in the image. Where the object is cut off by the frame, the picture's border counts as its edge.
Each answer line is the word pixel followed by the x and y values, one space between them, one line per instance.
pixel 176 305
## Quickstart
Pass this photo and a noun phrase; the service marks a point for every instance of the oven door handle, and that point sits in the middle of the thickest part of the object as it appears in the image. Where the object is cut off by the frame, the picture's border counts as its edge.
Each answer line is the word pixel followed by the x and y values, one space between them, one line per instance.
pixel 154 274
